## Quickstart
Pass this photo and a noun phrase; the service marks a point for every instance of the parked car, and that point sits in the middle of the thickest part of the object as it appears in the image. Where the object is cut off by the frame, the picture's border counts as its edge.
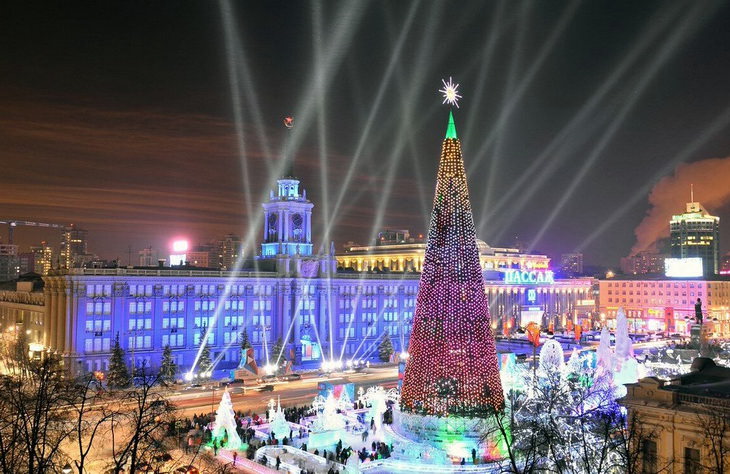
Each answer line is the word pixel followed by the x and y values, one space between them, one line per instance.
pixel 266 388
pixel 291 377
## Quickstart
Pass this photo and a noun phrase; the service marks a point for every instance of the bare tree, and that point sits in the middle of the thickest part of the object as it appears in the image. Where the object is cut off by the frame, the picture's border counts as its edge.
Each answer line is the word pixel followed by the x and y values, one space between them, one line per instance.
pixel 90 414
pixel 636 446
pixel 32 424
pixel 139 429
pixel 715 425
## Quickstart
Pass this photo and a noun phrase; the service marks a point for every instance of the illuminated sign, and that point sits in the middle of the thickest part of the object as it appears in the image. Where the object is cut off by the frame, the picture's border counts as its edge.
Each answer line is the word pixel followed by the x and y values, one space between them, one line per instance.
pixel 531 296
pixel 532 277
pixel 683 267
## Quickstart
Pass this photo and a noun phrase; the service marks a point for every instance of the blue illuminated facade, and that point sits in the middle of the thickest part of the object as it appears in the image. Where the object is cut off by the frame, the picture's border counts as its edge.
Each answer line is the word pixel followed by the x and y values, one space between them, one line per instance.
pixel 320 314
pixel 287 221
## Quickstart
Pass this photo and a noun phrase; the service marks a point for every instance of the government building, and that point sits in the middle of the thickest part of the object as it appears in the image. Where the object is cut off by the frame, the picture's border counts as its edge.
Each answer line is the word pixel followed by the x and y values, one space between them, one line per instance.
pixel 325 308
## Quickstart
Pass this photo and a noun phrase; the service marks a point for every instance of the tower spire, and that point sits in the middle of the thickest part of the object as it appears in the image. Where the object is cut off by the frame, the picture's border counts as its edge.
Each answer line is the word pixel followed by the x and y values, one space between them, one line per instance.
pixel 691 193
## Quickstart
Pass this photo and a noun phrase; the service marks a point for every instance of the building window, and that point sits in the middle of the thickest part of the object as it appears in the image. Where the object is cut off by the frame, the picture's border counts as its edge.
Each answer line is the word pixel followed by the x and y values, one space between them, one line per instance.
pixel 692 461
pixel 649 457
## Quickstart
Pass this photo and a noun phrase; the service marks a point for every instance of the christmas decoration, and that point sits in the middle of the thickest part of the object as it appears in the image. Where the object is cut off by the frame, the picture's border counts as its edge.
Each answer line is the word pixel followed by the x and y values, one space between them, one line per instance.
pixel 452 369
pixel 224 427
pixel 451 93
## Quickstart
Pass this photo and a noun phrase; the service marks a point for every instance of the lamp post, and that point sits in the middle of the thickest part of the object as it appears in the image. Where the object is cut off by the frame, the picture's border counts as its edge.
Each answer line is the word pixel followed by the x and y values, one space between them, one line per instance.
pixel 212 400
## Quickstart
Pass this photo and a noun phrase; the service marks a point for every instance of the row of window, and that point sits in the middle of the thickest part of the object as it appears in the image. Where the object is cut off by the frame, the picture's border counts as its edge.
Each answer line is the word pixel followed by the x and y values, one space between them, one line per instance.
pixel 661 293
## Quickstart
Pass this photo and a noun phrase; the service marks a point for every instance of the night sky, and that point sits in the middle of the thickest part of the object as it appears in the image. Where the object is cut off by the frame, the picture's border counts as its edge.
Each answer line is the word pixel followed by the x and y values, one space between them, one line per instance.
pixel 145 121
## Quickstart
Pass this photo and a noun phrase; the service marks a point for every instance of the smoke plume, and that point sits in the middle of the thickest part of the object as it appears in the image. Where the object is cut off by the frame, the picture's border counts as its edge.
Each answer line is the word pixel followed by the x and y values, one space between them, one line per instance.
pixel 710 179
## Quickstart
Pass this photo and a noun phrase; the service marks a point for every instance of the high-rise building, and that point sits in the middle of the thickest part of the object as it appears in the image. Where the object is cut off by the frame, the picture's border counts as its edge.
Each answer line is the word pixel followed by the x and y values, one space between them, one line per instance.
pixel 43 258
pixel 644 263
pixel 230 249
pixel 452 369
pixel 73 248
pixel 9 265
pixel 696 233
pixel 571 263
pixel 26 262
pixel 147 257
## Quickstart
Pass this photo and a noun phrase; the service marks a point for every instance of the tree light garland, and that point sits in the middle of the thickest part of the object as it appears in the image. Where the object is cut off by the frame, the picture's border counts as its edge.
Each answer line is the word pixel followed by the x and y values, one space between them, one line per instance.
pixel 452 367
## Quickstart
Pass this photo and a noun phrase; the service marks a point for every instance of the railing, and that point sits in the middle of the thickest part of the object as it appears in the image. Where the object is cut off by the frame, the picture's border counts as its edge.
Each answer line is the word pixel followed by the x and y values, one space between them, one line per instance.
pixel 703 400
pixel 35 298
pixel 167 272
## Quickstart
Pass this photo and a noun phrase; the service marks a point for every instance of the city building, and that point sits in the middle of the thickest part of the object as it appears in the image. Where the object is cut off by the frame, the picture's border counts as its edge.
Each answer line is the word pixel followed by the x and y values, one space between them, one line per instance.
pixel 73 249
pixel 406 255
pixel 26 262
pixel 23 312
pixel 9 263
pixel 43 258
pixel 203 256
pixel 696 233
pixel 287 292
pixel 147 257
pixel 665 305
pixel 643 263
pixel 571 263
pixel 725 264
pixel 682 424
pixel 230 249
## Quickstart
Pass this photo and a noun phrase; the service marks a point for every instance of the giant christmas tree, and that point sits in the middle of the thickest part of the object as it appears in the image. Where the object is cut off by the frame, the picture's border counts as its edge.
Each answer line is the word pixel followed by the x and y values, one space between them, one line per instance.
pixel 452 369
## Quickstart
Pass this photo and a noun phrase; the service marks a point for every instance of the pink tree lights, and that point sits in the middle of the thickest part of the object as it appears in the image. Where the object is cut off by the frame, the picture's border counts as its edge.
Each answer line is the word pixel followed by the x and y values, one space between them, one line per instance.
pixel 452 369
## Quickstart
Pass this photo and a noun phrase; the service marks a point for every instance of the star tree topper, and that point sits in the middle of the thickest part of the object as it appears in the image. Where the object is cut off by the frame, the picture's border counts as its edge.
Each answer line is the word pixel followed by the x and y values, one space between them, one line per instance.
pixel 450 92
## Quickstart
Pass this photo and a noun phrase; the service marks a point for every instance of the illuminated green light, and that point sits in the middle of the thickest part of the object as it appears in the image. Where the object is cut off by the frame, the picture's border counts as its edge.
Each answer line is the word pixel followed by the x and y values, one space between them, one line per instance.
pixel 451 129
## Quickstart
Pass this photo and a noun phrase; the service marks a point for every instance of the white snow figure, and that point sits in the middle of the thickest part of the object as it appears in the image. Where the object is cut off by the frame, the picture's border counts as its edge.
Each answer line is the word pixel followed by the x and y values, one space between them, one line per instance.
pixel 624 347
pixel 277 421
pixel 551 358
pixel 225 423
pixel 329 419
pixel 626 368
pixel 574 363
pixel 604 353
pixel 344 402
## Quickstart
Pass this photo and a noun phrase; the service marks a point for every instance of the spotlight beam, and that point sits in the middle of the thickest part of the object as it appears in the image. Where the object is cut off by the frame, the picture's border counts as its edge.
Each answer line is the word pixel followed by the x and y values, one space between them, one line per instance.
pixel 536 167
pixel 717 125
pixel 687 26
pixel 365 136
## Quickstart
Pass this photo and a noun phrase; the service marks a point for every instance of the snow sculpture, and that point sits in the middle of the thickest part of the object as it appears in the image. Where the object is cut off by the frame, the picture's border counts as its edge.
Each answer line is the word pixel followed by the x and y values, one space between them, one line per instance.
pixel 225 424
pixel 277 421
pixel 626 368
pixel 604 353
pixel 551 358
pixel 329 419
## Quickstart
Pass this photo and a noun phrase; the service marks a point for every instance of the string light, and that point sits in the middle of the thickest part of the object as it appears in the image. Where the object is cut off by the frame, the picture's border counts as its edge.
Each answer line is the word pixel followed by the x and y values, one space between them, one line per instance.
pixel 452 367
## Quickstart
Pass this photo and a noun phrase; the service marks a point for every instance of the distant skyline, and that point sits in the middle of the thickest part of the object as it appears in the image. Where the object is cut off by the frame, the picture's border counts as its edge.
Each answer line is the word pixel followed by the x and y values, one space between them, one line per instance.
pixel 121 117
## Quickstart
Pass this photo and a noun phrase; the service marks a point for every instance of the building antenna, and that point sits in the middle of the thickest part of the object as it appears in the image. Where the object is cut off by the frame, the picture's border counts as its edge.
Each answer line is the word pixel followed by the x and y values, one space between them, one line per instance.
pixel 692 193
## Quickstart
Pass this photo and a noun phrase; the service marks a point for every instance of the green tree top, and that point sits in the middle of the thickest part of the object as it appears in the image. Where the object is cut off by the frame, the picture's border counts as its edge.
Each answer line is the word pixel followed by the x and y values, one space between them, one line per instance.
pixel 118 374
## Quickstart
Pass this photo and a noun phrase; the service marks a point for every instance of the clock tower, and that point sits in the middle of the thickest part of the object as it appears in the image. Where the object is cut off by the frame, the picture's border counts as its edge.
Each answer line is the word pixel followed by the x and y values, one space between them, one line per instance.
pixel 287 221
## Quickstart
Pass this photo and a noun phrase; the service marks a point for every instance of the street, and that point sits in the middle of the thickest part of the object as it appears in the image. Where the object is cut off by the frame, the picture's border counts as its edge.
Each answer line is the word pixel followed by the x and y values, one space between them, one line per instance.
pixel 299 392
